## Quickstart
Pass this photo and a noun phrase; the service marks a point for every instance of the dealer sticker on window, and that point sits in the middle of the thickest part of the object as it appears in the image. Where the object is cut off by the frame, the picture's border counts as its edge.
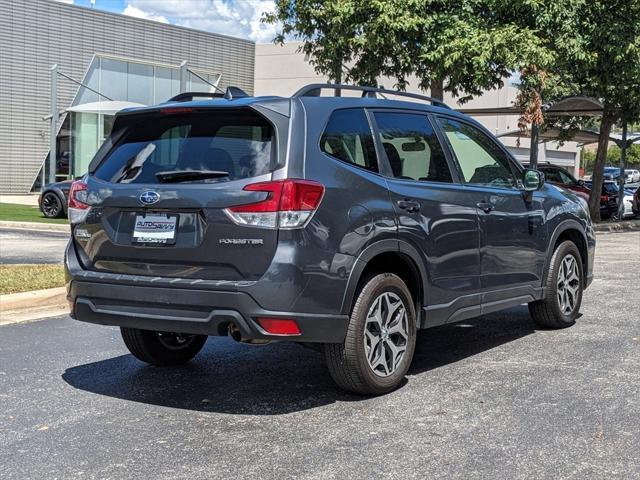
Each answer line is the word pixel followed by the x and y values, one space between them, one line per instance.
pixel 155 229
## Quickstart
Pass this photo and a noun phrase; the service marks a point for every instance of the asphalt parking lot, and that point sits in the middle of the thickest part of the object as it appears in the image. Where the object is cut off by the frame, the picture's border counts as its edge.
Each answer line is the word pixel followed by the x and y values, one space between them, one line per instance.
pixel 490 398
pixel 31 246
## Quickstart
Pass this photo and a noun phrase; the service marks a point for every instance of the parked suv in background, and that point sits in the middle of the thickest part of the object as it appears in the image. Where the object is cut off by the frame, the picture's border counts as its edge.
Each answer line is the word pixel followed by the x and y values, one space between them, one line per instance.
pixel 349 222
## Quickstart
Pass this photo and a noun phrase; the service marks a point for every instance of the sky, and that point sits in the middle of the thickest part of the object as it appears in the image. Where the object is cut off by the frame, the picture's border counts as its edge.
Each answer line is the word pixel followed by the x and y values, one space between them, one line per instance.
pixel 239 18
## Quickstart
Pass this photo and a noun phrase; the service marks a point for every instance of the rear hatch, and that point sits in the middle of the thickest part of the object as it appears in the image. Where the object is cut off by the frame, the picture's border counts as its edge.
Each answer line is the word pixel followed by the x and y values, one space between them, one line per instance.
pixel 158 195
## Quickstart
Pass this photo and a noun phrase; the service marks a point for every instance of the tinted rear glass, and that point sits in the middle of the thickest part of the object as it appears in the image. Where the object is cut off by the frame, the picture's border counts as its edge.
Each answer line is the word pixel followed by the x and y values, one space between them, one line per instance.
pixel 348 137
pixel 237 144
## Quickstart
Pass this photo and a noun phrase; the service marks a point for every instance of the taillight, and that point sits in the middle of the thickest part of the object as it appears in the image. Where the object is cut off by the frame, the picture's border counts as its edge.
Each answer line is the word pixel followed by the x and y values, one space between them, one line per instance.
pixel 604 198
pixel 288 204
pixel 78 206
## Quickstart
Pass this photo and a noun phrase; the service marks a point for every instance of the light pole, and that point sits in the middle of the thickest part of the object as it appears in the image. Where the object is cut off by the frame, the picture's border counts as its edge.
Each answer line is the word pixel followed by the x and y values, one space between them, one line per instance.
pixel 53 128
pixel 623 166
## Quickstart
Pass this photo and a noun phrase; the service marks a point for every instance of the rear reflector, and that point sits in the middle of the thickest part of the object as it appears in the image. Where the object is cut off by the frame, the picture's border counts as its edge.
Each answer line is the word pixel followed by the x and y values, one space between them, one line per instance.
pixel 288 204
pixel 279 326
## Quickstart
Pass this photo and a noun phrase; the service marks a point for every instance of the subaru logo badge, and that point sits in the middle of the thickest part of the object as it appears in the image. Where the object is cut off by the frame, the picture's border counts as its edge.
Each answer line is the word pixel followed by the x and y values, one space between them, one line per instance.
pixel 149 197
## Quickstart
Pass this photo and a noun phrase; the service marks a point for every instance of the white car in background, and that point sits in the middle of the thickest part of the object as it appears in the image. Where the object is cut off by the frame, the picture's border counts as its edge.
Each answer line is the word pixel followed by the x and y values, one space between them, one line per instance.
pixel 633 174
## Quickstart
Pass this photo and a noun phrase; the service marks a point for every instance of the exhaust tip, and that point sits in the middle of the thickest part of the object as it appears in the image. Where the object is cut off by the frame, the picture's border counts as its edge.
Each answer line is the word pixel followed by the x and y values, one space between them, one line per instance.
pixel 234 332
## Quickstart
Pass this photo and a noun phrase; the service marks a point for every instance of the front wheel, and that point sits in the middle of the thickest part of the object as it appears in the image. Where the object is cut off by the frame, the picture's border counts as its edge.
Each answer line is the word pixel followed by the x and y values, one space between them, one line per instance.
pixel 162 348
pixel 380 340
pixel 563 286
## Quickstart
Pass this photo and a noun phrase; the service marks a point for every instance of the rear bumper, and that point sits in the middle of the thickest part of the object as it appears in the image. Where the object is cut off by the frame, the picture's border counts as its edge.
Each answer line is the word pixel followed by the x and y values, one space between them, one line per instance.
pixel 192 311
pixel 185 310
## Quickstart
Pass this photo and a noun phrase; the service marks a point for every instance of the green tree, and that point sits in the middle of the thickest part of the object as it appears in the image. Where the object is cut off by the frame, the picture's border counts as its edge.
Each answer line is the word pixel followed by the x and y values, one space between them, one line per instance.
pixel 459 46
pixel 561 47
pixel 613 158
pixel 601 59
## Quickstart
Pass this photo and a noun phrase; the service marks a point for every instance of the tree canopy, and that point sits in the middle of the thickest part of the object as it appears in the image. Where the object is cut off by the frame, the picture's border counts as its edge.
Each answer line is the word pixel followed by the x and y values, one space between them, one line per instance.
pixel 559 47
pixel 457 46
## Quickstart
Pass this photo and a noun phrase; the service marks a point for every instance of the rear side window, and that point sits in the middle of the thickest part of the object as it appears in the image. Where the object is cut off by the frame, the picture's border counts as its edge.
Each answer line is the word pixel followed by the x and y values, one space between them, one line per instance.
pixel 348 137
pixel 230 145
pixel 412 148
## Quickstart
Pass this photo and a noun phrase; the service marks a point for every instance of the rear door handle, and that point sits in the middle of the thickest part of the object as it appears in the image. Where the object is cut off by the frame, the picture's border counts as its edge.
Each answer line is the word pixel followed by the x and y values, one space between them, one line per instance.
pixel 409 205
pixel 486 207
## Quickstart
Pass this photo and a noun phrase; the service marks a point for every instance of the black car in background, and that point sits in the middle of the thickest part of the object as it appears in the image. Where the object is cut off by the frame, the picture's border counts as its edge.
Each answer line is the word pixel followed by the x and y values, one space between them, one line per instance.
pixel 608 198
pixel 53 199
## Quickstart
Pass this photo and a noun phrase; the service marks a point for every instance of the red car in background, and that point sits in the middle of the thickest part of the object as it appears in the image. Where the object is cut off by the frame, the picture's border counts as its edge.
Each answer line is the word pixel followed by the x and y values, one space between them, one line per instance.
pixel 560 176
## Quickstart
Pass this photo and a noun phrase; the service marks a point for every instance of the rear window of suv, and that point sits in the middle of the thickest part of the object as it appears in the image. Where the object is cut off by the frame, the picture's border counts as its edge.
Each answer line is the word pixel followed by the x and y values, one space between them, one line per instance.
pixel 195 147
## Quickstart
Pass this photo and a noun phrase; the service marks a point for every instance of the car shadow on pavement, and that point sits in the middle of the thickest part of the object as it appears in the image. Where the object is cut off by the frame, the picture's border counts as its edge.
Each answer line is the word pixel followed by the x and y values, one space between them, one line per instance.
pixel 450 343
pixel 276 379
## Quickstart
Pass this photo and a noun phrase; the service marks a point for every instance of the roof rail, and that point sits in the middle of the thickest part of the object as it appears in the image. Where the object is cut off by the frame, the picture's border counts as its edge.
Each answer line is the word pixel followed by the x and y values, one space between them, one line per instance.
pixel 314 89
pixel 230 93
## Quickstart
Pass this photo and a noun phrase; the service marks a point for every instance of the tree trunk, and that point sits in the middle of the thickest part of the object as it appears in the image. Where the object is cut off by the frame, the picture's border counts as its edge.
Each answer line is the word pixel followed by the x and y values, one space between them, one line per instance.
pixel 436 89
pixel 608 119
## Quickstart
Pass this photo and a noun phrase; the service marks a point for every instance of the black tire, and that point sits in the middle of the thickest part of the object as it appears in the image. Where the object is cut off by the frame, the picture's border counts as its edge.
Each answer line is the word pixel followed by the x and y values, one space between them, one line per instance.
pixel 548 311
pixel 52 205
pixel 348 362
pixel 162 349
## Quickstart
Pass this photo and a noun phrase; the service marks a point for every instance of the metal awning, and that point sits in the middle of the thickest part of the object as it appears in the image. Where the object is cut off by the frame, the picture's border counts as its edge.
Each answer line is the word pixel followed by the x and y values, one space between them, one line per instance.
pixel 105 108
pixel 583 137
pixel 565 107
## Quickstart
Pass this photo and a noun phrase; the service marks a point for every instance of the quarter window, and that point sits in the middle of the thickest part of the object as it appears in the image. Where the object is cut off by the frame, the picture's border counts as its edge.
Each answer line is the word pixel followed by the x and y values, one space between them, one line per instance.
pixel 481 161
pixel 348 137
pixel 412 148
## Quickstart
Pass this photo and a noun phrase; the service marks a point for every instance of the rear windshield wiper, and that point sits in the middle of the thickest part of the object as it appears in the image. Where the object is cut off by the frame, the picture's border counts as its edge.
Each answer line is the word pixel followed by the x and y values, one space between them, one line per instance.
pixel 175 176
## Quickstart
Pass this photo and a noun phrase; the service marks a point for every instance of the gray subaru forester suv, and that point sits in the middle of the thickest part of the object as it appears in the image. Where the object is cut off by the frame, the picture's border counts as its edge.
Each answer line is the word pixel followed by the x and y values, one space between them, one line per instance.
pixel 344 221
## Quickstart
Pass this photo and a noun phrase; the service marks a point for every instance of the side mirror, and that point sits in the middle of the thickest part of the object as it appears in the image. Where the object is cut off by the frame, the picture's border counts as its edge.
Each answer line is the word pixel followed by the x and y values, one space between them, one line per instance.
pixel 581 183
pixel 532 180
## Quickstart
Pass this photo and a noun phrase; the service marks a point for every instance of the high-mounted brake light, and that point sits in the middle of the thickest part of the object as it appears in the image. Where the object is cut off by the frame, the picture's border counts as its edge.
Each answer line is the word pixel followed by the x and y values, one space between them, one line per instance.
pixel 176 110
pixel 289 204
pixel 78 206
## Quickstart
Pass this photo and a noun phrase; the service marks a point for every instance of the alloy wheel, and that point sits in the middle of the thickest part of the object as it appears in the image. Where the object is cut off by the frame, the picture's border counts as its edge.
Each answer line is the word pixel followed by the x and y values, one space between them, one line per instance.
pixel 386 334
pixel 51 205
pixel 568 288
pixel 175 341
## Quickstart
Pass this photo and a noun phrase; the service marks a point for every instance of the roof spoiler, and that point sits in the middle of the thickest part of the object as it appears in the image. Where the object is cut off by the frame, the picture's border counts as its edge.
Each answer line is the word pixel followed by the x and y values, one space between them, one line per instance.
pixel 229 94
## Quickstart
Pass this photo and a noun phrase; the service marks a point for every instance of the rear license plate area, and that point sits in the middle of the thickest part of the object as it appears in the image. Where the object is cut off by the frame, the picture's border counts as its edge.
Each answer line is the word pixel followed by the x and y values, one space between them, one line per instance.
pixel 154 229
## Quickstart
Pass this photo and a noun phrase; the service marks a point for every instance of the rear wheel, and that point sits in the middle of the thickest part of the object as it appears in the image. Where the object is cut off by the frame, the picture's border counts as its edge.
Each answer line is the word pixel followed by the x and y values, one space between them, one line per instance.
pixel 162 348
pixel 52 205
pixel 560 305
pixel 380 341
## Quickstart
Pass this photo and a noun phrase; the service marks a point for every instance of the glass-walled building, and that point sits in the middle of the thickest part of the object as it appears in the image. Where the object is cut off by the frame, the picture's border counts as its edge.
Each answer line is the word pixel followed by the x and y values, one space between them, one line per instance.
pixel 116 83
pixel 130 61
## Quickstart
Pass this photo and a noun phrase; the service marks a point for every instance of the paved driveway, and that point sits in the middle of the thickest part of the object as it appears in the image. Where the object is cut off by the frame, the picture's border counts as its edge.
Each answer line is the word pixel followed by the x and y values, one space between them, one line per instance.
pixel 489 398
pixel 31 246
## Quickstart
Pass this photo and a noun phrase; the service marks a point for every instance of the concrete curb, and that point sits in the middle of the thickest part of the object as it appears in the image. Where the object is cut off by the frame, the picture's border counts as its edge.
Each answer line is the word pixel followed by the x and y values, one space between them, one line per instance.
pixel 50 227
pixel 629 225
pixel 24 306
